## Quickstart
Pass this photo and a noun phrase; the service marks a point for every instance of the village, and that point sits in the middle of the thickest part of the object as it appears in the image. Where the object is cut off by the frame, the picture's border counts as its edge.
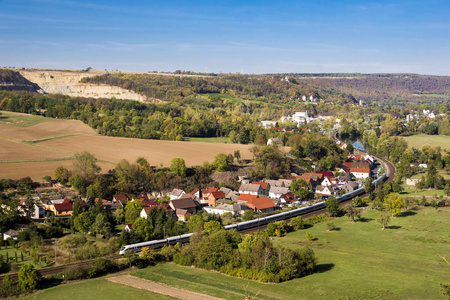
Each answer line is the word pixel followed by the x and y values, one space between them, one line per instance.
pixel 260 197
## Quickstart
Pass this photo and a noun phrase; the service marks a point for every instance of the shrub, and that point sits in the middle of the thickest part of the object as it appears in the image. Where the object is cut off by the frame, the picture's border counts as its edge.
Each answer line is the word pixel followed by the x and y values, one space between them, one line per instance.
pixel 331 226
pixel 167 253
pixel 9 288
pixel 75 272
pixel 309 236
pixel 297 223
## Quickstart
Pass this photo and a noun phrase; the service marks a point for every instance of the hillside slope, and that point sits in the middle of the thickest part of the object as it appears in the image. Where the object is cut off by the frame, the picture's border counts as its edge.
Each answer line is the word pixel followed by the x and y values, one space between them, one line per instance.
pixel 63 82
pixel 13 81
pixel 67 83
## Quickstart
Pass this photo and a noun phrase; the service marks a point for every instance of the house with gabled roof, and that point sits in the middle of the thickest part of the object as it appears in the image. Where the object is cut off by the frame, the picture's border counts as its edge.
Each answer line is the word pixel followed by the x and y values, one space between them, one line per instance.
pixel 128 227
pixel 62 209
pixel 274 182
pixel 215 196
pixel 329 180
pixel 253 189
pixel 185 202
pixel 234 209
pixel 310 183
pixel 244 198
pixel 176 194
pixel 10 234
pixel 289 199
pixel 262 205
pixel 265 186
pixel 226 191
pixel 350 186
pixel 276 192
pixel 121 198
pixel 327 190
pixel 183 215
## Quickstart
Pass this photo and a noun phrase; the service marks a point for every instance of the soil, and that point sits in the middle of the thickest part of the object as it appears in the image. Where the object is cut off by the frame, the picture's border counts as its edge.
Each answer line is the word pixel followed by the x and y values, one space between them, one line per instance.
pixel 160 288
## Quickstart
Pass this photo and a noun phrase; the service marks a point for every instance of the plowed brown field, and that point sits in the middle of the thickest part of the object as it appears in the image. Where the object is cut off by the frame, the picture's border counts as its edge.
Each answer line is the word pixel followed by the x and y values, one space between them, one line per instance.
pixel 114 149
pixel 14 151
pixel 45 130
pixel 66 137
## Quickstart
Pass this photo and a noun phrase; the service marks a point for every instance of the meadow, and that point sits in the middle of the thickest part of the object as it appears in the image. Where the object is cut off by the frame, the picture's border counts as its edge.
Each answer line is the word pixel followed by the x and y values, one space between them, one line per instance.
pixel 358 261
pixel 420 140
pixel 94 289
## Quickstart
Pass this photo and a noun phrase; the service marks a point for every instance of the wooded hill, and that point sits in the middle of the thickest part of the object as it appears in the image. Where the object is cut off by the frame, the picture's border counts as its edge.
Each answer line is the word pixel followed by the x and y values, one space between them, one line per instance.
pixel 382 89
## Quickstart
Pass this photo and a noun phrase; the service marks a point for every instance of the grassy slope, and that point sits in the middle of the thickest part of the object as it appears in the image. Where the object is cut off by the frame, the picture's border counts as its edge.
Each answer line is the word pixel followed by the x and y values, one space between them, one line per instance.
pixel 360 261
pixel 94 289
pixel 223 140
pixel 420 140
pixel 21 120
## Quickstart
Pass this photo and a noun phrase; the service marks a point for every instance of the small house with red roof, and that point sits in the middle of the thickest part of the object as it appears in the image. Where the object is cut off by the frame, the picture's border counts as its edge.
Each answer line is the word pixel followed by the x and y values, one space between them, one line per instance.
pixel 265 186
pixel 244 198
pixel 262 205
pixel 214 197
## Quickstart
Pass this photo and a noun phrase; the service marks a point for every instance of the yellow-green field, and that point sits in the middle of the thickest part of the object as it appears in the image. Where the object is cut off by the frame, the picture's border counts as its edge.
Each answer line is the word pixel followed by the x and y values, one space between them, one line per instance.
pixel 420 140
pixel 359 261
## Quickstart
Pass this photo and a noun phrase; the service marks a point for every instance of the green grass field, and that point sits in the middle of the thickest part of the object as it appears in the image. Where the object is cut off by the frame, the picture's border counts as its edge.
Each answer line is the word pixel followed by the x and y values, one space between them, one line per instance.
pixel 420 140
pixel 94 289
pixel 26 258
pixel 223 140
pixel 359 261
pixel 20 120
pixel 412 191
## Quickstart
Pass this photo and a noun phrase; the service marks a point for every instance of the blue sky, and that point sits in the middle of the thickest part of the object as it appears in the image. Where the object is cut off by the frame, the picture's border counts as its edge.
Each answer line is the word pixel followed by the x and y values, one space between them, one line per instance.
pixel 228 36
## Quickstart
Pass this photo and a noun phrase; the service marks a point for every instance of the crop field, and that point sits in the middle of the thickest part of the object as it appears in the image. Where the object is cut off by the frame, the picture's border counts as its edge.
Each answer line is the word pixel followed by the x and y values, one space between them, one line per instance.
pixel 358 261
pixel 37 149
pixel 157 152
pixel 420 140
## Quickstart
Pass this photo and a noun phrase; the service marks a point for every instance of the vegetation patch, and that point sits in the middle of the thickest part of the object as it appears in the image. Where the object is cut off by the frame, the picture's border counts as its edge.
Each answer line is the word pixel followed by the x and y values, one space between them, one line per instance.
pixel 420 140
pixel 360 261
pixel 21 120
pixel 94 289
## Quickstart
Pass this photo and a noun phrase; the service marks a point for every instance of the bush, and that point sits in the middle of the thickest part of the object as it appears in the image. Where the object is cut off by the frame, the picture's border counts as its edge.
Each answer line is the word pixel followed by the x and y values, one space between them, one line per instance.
pixel 316 219
pixel 309 236
pixel 331 226
pixel 76 272
pixel 102 266
pixel 9 288
pixel 167 253
pixel 297 223
pixel 28 278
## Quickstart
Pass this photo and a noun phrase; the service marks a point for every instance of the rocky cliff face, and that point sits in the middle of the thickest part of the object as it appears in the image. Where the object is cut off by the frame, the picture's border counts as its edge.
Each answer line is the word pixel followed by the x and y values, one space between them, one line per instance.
pixel 12 81
pixel 67 83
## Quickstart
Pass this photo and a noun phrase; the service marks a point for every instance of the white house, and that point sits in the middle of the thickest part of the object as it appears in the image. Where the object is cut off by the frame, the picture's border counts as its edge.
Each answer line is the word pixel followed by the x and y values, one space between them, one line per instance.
pixel 235 209
pixel 176 194
pixel 252 189
pixel 276 192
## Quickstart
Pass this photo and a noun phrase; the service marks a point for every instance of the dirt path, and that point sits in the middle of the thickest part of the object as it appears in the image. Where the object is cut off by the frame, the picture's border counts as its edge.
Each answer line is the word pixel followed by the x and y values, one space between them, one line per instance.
pixel 160 288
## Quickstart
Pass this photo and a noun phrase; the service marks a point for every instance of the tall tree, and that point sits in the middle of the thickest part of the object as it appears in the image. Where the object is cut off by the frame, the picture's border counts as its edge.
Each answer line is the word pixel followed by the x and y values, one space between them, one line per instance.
pixel 85 164
pixel 178 166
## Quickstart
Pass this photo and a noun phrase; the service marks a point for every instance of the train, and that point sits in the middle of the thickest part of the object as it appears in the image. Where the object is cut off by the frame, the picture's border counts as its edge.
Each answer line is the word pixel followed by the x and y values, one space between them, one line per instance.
pixel 184 238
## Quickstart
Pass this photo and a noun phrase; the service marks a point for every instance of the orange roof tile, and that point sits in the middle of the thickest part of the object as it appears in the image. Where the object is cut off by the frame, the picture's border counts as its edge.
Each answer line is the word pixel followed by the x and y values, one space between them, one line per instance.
pixel 264 185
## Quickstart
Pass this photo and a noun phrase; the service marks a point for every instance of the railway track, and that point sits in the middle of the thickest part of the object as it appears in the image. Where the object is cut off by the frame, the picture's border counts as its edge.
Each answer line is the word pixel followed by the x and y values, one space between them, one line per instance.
pixel 390 175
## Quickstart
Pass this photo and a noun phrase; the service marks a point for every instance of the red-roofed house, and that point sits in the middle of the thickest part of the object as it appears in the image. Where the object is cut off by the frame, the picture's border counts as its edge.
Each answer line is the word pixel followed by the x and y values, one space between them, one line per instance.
pixel 214 196
pixel 62 209
pixel 244 198
pixel 265 186
pixel 121 198
pixel 329 180
pixel 361 173
pixel 262 205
